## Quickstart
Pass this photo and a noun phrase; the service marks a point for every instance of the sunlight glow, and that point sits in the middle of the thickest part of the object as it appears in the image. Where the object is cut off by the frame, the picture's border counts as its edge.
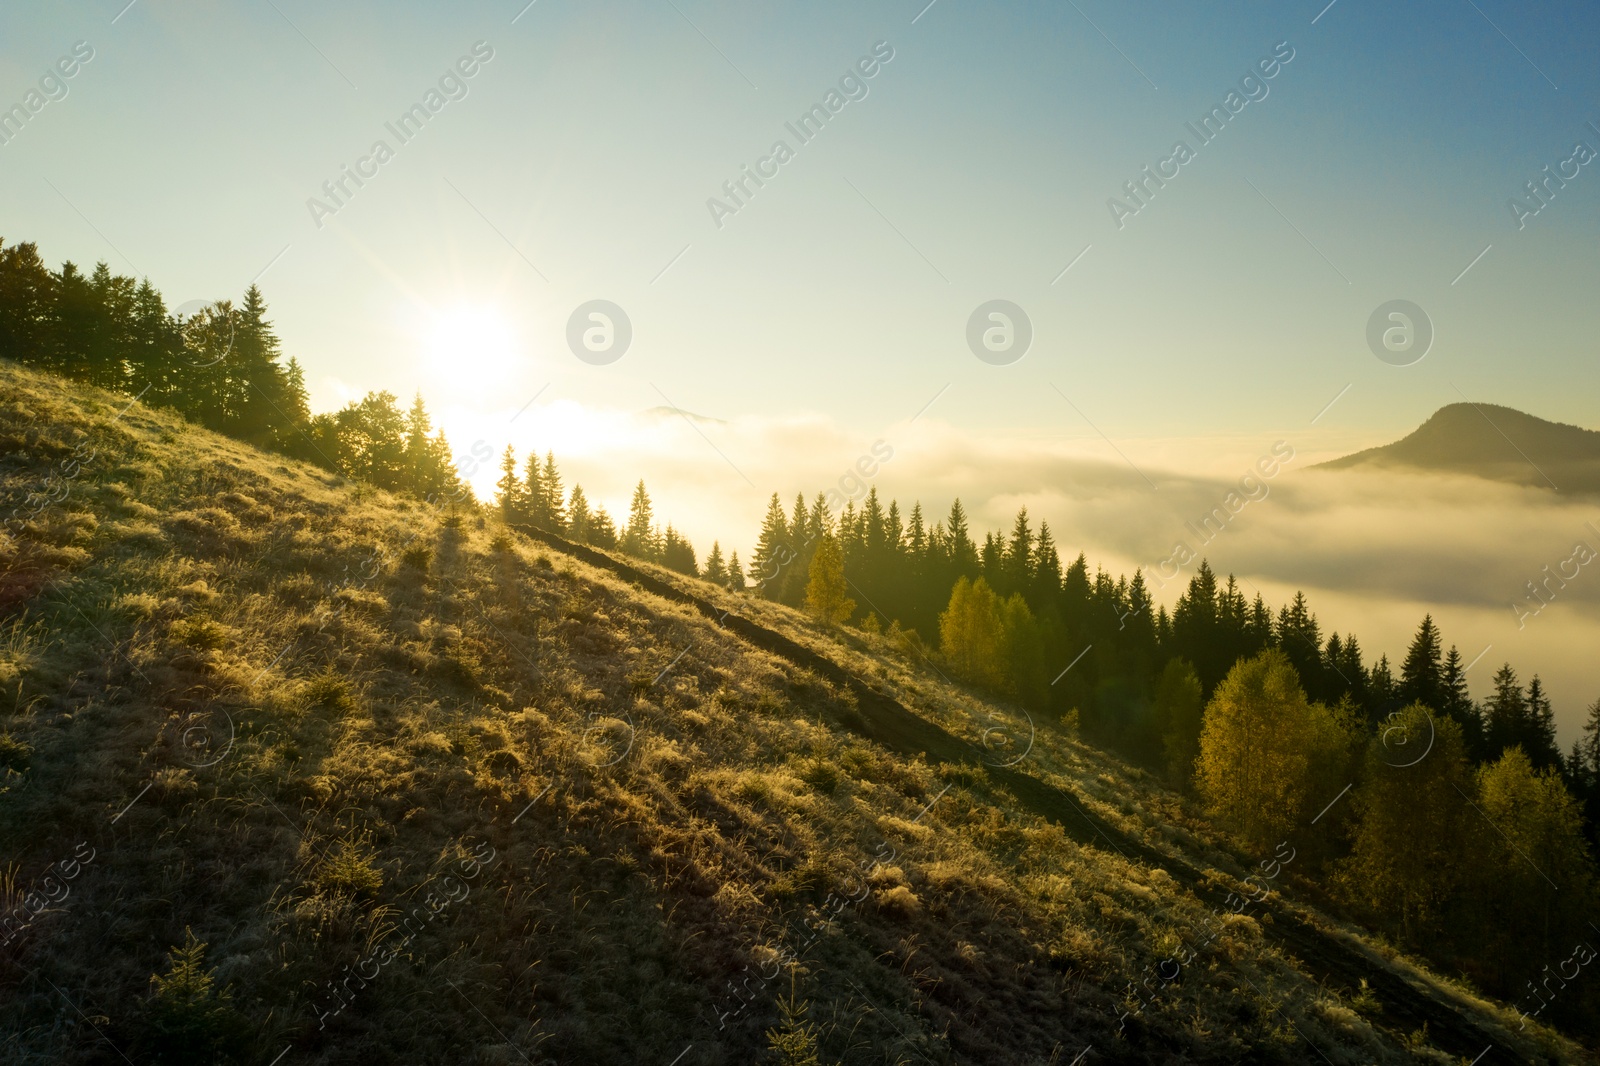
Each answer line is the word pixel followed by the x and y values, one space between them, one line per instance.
pixel 472 344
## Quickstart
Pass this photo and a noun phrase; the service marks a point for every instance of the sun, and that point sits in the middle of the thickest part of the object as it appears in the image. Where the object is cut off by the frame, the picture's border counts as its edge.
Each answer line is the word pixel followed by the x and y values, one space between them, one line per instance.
pixel 471 343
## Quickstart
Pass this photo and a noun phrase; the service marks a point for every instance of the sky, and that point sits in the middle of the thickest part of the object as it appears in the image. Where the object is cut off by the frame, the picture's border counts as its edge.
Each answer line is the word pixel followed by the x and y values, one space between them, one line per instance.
pixel 1174 340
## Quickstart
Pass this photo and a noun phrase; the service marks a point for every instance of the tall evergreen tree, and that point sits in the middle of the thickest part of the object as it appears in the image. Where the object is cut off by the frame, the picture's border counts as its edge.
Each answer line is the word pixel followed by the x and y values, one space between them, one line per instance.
pixel 639 538
pixel 1505 714
pixel 1422 673
pixel 773 551
pixel 716 570
pixel 550 483
pixel 1540 735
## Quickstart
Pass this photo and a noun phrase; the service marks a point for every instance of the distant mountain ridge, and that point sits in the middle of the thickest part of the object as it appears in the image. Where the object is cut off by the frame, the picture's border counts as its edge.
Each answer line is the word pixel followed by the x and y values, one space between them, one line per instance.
pixel 1493 442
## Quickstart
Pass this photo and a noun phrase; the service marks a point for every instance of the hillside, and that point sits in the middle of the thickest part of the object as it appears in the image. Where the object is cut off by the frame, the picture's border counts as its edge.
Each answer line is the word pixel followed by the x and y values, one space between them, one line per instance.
pixel 1498 443
pixel 427 789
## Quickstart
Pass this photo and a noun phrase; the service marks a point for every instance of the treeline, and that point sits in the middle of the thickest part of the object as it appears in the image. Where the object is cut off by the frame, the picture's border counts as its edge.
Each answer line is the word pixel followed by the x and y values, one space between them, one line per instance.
pixel 535 497
pixel 1008 615
pixel 220 366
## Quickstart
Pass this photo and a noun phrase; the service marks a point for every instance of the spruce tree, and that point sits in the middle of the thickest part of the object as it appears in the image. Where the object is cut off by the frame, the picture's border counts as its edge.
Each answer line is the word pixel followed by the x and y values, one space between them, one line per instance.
pixel 773 551
pixel 1422 673
pixel 1540 732
pixel 550 483
pixel 677 553
pixel 578 516
pixel 1017 567
pixel 963 552
pixel 535 498
pixel 639 538
pixel 508 490
pixel 1505 714
pixel 1044 586
pixel 1458 703
pixel 716 570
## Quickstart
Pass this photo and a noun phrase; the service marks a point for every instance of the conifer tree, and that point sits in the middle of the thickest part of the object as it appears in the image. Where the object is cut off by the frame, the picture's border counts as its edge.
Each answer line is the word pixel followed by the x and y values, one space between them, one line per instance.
pixel 536 501
pixel 773 551
pixel 550 483
pixel 1018 562
pixel 602 531
pixel 677 553
pixel 578 516
pixel 1505 714
pixel 1539 739
pixel 716 570
pixel 1382 694
pixel 1045 580
pixel 736 581
pixel 639 537
pixel 1179 712
pixel 963 552
pixel 1422 673
pixel 508 490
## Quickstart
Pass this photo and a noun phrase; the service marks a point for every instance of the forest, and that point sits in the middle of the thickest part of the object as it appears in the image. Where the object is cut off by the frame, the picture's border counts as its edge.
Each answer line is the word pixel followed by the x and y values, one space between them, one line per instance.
pixel 1437 811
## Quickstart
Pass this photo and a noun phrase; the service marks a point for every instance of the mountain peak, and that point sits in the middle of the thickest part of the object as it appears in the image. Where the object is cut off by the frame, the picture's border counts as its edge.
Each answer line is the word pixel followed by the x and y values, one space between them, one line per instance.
pixel 1494 442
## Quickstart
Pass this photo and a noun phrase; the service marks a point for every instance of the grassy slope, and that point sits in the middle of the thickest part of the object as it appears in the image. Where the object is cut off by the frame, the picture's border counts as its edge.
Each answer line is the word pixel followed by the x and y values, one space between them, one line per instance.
pixel 320 700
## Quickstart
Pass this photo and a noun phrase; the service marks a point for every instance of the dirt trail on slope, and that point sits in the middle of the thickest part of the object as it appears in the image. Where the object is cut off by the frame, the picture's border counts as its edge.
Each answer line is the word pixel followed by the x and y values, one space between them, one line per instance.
pixel 1406 1006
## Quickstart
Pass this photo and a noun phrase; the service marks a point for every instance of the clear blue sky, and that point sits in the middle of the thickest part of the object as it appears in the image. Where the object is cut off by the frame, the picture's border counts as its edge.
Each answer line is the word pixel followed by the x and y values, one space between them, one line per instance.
pixel 978 166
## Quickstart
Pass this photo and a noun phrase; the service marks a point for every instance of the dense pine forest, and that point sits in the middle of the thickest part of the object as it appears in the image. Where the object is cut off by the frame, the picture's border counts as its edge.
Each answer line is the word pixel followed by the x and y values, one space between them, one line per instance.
pixel 1438 811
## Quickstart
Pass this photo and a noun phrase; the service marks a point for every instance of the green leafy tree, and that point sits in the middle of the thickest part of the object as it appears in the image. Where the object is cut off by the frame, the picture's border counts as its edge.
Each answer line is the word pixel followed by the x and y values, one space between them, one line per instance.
pixel 1264 749
pixel 1412 823
pixel 827 594
pixel 970 632
pixel 1535 873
